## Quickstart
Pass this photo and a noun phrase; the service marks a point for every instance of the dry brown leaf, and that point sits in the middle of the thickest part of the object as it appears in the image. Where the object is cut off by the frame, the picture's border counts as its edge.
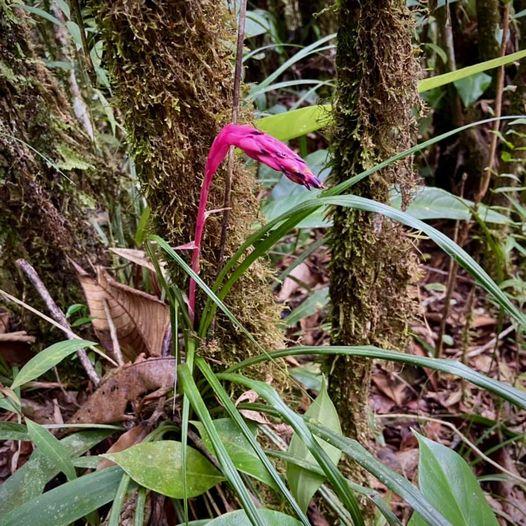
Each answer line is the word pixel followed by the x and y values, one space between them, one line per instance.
pixel 135 256
pixel 5 318
pixel 301 273
pixel 140 319
pixel 126 384
pixel 15 347
pixel 391 387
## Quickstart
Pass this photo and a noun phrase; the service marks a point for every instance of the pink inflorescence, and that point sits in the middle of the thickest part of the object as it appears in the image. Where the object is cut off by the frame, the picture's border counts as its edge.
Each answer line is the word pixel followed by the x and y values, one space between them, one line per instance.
pixel 259 146
pixel 263 148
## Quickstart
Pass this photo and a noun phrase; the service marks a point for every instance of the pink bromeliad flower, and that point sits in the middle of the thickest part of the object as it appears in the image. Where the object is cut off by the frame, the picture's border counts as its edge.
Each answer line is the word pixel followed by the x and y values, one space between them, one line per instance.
pixel 263 148
pixel 259 146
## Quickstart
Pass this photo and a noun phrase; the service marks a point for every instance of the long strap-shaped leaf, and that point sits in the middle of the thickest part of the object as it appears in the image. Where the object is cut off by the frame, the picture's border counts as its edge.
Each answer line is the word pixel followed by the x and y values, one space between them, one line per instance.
pixel 301 427
pixel 69 502
pixel 238 419
pixel 227 466
pixel 295 123
pixel 269 234
pixel 509 393
pixel 334 476
pixel 444 242
pixel 371 494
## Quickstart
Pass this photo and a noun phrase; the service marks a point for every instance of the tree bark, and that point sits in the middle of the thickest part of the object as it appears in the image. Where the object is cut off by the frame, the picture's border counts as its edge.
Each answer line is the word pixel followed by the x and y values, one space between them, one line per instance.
pixel 373 261
pixel 172 67
pixel 488 24
pixel 51 178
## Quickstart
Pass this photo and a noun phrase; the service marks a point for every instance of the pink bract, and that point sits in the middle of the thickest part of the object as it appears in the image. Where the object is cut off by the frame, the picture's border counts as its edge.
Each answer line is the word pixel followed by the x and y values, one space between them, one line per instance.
pixel 259 146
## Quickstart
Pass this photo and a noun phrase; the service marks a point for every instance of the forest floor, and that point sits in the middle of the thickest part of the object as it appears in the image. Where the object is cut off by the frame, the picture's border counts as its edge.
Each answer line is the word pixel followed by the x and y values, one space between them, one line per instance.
pixel 450 410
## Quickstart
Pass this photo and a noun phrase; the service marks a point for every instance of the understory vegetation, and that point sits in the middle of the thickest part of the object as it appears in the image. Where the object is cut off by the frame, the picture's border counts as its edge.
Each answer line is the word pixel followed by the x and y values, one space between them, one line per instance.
pixel 314 319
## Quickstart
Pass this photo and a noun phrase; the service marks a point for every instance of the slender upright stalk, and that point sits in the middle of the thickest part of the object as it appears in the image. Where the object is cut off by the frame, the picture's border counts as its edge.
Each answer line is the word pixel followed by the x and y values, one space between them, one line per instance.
pixel 236 92
pixel 486 177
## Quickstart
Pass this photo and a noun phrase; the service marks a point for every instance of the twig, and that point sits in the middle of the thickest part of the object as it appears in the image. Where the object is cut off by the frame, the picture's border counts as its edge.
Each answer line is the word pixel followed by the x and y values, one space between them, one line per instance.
pixel 235 114
pixel 462 437
pixel 66 330
pixel 58 316
pixel 451 282
pixel 491 344
pixel 117 353
pixel 486 176
pixel 90 69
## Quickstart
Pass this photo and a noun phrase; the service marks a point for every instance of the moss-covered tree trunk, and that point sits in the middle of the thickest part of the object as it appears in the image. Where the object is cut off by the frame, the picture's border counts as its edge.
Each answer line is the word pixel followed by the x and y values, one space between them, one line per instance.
pixel 51 178
pixel 488 25
pixel 372 259
pixel 172 64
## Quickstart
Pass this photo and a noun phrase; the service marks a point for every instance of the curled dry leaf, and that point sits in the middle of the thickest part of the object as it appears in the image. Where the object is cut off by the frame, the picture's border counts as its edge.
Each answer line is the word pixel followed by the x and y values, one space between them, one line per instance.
pixel 140 319
pixel 107 404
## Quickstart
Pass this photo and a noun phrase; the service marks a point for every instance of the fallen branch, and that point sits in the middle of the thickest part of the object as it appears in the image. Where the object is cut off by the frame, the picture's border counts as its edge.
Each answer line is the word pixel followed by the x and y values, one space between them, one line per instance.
pixel 58 316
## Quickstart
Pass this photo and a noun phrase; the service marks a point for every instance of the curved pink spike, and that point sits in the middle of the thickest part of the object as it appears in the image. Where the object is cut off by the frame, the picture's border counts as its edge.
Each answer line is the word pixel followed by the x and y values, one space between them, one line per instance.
pixel 259 146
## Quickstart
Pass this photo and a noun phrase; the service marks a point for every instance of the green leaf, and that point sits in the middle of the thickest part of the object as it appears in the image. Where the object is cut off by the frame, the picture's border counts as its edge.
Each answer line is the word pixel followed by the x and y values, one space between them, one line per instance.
pixel 64 505
pixel 197 402
pixel 286 194
pixel 435 203
pixel 238 447
pixel 236 416
pixel 51 447
pixel 447 481
pixel 240 518
pixel 302 482
pixel 315 301
pixel 313 48
pixel 28 482
pixel 444 242
pixel 392 480
pixel 261 241
pixel 47 359
pixel 295 123
pixel 471 88
pixel 158 466
pixel 453 76
pixel 13 431
pixel 333 475
pixel 118 501
pixel 502 389
pixel 258 22
pixel 40 12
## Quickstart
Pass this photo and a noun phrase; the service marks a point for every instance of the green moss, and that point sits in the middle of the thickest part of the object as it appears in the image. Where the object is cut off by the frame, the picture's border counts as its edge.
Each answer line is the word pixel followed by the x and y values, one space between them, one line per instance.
pixel 171 65
pixel 373 262
pixel 43 214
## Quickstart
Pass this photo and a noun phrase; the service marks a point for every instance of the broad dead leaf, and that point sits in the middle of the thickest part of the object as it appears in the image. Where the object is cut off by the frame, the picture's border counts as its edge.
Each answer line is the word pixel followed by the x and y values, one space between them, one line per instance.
pixel 140 319
pixel 301 274
pixel 126 384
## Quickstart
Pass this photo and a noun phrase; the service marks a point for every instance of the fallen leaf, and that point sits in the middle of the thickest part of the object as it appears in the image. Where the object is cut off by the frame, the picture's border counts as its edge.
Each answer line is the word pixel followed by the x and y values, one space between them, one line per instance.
pixel 391 387
pixel 300 274
pixel 126 384
pixel 135 256
pixel 141 320
pixel 14 346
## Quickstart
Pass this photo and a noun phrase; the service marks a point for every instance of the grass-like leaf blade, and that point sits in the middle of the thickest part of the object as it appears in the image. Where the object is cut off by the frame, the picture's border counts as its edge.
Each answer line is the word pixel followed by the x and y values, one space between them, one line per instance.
pixel 47 359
